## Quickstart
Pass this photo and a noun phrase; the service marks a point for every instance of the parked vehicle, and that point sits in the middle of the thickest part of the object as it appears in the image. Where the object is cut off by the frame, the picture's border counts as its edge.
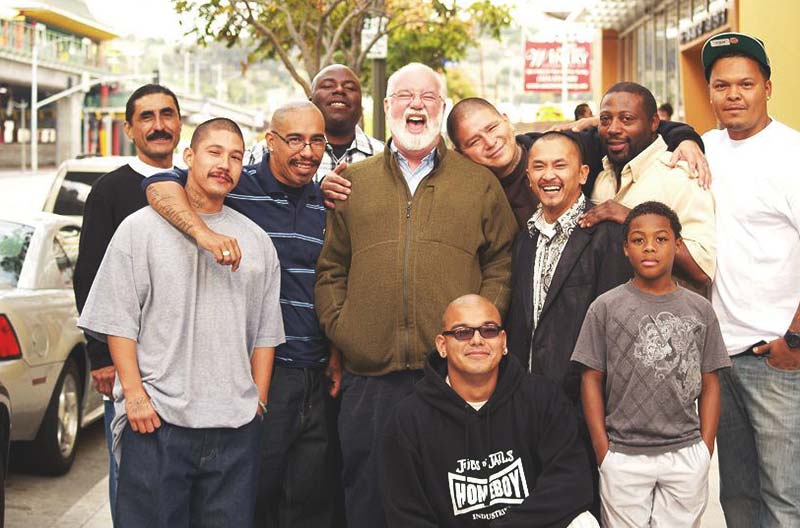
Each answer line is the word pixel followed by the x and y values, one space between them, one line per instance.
pixel 5 441
pixel 73 181
pixel 43 362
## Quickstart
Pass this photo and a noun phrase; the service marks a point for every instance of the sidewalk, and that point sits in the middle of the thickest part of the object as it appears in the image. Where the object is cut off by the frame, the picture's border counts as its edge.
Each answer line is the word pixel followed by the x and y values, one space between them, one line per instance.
pixel 91 511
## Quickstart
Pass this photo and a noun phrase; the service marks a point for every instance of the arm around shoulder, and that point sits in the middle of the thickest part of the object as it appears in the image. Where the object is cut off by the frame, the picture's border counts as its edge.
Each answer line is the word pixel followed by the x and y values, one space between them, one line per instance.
pixel 170 200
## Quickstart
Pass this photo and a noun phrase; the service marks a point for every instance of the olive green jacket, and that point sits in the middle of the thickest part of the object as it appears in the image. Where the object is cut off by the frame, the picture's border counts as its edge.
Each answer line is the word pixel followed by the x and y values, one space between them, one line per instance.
pixel 391 263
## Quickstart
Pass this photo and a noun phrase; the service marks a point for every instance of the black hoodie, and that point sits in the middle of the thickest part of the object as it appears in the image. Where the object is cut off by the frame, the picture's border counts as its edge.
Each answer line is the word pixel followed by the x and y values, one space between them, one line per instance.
pixel 517 462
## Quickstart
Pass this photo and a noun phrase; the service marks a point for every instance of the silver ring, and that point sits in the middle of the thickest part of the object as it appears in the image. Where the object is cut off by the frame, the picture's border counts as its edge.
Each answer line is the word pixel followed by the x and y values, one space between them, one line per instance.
pixel 226 253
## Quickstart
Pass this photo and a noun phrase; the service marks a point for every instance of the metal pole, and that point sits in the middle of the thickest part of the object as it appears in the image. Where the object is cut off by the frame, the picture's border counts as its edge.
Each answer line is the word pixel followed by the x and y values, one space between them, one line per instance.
pixel 22 106
pixel 378 95
pixel 35 102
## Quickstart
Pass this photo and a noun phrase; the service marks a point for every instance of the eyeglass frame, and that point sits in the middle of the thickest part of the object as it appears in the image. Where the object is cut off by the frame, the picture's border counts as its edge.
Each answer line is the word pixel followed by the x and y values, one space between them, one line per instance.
pixel 480 329
pixel 414 95
pixel 308 144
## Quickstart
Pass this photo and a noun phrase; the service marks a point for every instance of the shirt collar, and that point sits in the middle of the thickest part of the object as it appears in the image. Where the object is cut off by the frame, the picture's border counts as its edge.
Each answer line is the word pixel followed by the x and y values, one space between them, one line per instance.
pixel 567 220
pixel 143 168
pixel 640 163
pixel 429 157
pixel 362 143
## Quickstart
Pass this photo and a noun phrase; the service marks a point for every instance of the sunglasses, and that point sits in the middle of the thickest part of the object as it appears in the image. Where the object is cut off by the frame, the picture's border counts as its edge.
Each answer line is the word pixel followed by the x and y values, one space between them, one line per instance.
pixel 465 333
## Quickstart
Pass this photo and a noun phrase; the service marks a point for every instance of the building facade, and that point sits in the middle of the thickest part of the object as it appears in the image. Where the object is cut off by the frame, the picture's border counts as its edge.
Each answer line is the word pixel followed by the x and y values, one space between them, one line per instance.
pixel 657 43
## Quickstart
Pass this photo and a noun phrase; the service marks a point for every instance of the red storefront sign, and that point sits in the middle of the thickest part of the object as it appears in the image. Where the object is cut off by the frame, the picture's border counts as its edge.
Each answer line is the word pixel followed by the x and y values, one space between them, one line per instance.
pixel 543 66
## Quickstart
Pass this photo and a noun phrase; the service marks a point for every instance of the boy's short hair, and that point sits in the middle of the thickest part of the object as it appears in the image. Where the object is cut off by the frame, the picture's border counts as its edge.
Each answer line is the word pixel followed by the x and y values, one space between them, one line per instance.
pixel 655 208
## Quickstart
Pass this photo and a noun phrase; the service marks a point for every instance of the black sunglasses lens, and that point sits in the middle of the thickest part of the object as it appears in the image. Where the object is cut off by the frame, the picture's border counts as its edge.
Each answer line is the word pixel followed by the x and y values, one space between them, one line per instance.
pixel 489 331
pixel 463 334
pixel 466 333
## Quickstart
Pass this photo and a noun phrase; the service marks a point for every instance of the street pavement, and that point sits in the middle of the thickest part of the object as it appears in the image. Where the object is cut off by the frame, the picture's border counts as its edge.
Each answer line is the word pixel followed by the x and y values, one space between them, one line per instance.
pixel 34 501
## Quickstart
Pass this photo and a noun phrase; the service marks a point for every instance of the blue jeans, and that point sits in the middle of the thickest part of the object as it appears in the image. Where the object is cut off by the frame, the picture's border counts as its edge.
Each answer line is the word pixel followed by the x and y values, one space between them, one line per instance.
pixel 297 466
pixel 759 444
pixel 108 417
pixel 367 402
pixel 178 477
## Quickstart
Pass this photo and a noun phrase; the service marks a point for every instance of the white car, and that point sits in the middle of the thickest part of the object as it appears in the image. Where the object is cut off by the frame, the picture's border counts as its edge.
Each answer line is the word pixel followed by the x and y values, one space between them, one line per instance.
pixel 43 362
pixel 73 181
pixel 5 440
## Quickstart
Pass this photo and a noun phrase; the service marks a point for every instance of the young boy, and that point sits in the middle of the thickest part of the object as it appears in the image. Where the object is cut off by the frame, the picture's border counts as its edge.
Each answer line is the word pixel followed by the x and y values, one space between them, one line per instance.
pixel 651 348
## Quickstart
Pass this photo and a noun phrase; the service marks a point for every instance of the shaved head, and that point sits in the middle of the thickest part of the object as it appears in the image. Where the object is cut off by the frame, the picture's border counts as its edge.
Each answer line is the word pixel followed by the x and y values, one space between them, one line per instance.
pixel 285 114
pixel 469 301
pixel 331 70
pixel 461 112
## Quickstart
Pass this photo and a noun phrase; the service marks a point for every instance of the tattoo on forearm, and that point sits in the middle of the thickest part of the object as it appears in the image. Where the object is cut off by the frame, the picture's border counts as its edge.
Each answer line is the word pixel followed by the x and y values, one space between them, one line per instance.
pixel 166 207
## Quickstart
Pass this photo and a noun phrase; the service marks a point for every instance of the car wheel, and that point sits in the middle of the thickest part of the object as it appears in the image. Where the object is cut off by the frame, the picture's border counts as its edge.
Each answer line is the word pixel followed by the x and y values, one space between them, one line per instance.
pixel 53 450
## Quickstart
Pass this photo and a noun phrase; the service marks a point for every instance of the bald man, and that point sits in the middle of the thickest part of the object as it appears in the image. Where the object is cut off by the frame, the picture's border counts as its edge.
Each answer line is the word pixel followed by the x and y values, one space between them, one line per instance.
pixel 279 195
pixel 479 443
pixel 336 91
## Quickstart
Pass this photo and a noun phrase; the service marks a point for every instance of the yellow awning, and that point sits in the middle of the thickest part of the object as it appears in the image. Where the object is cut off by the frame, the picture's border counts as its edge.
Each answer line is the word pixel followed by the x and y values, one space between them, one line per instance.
pixel 70 23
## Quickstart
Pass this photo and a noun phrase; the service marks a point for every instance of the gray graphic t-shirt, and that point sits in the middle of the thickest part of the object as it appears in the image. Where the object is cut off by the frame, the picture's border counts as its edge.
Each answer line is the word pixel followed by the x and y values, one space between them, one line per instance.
pixel 653 350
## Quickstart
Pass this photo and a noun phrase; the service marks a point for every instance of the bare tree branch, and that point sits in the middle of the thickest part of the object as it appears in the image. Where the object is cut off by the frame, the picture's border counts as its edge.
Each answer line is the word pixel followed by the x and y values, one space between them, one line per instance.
pixel 292 29
pixel 337 35
pixel 365 49
pixel 264 30
pixel 322 21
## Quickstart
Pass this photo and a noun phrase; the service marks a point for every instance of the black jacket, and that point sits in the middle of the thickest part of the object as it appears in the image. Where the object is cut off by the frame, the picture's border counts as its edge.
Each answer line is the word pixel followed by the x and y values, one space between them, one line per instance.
pixel 517 462
pixel 592 263
pixel 114 196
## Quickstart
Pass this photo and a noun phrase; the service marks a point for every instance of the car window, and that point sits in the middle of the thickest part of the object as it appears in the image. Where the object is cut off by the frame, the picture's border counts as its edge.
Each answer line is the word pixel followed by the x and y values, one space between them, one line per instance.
pixel 64 265
pixel 14 241
pixel 74 190
pixel 69 237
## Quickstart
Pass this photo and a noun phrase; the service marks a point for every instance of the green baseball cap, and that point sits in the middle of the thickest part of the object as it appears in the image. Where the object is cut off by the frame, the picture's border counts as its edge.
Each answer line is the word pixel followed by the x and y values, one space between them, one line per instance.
pixel 724 43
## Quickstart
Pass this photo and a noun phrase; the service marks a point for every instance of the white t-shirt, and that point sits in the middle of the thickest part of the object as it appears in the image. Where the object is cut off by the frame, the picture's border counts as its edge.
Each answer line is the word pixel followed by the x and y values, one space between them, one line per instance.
pixel 756 186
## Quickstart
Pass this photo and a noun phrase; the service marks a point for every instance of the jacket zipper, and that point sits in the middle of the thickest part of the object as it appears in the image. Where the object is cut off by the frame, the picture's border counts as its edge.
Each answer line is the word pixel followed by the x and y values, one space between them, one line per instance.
pixel 405 285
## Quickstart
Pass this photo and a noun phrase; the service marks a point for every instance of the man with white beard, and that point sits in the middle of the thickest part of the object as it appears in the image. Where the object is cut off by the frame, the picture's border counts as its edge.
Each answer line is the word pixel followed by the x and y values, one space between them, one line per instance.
pixel 423 226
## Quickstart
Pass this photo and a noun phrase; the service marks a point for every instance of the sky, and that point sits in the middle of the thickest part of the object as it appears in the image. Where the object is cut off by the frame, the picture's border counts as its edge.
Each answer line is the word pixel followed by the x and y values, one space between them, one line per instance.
pixel 157 18
pixel 146 18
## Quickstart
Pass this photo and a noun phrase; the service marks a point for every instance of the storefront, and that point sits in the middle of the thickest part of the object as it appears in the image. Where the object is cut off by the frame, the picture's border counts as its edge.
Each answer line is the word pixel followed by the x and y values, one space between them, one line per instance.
pixel 658 44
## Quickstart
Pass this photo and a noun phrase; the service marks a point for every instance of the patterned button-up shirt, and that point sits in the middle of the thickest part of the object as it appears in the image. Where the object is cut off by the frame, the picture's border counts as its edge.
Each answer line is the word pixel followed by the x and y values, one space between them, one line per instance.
pixel 549 247
pixel 362 147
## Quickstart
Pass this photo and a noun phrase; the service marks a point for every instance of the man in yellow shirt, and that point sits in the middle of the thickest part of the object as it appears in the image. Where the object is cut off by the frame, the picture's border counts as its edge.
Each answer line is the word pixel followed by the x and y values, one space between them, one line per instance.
pixel 636 170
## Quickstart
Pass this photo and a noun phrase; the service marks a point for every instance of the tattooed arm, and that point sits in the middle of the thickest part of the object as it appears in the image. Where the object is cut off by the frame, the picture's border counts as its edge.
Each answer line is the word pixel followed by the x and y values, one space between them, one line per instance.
pixel 141 415
pixel 177 205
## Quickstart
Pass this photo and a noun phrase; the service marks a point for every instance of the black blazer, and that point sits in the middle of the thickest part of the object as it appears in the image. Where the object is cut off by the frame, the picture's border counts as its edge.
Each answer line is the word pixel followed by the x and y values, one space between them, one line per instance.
pixel 592 263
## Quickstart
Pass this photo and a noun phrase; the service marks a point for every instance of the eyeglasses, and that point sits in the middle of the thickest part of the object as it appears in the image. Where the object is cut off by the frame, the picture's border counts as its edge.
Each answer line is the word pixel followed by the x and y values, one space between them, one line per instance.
pixel 465 333
pixel 297 143
pixel 406 96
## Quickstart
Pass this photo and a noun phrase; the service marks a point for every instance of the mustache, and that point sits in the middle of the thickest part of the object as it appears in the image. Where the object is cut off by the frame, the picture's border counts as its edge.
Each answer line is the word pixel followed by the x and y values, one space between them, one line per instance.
pixel 220 172
pixel 159 134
